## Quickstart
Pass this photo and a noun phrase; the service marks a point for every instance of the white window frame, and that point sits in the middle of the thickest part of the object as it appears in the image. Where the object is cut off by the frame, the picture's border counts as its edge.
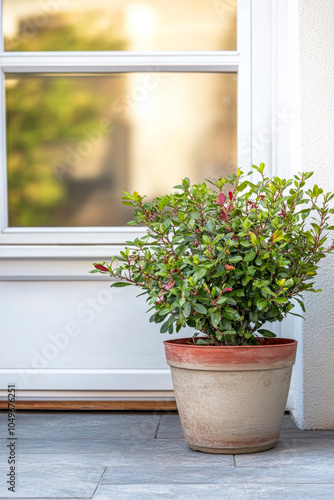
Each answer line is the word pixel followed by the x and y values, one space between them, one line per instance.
pixel 253 63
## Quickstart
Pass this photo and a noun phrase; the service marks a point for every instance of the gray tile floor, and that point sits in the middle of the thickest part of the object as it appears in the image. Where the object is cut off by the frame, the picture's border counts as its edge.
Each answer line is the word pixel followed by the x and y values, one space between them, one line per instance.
pixel 142 456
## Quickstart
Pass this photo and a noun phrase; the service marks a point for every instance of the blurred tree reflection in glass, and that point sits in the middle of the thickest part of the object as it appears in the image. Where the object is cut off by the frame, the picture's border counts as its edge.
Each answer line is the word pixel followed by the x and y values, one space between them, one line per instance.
pixel 74 142
pixel 61 25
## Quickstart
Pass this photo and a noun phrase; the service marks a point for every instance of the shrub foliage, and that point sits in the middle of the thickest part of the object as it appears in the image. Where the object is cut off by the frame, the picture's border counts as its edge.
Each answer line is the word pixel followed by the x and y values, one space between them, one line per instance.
pixel 226 259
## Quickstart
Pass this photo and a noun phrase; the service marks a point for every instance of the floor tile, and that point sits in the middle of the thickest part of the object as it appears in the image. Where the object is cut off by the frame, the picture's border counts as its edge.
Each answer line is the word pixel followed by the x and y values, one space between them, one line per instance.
pixel 314 452
pixel 131 425
pixel 170 427
pixel 52 481
pixel 214 492
pixel 179 474
pixel 120 452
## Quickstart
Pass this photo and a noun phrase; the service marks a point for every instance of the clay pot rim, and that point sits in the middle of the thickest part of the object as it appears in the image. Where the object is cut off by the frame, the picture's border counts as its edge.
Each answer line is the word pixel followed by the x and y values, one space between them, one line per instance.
pixel 276 342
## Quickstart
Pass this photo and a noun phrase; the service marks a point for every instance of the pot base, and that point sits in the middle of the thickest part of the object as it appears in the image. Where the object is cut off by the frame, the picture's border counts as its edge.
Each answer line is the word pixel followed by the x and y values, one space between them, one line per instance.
pixel 231 399
pixel 234 451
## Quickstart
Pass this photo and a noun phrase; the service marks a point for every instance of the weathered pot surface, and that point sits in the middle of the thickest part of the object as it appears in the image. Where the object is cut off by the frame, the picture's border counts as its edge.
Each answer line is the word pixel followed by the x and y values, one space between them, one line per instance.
pixel 231 399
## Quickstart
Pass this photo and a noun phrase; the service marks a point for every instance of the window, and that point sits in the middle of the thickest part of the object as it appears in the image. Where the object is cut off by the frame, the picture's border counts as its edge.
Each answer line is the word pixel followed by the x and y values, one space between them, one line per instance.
pixel 115 25
pixel 111 95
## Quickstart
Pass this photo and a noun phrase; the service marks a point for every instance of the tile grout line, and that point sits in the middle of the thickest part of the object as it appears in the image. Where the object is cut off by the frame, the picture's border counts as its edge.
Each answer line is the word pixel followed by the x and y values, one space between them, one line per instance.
pixel 100 481
pixel 158 425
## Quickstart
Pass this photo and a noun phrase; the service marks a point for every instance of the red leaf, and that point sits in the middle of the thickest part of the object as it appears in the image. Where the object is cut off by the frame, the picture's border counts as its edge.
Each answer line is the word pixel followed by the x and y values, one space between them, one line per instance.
pixel 230 195
pixel 169 285
pixel 228 267
pixel 224 216
pixel 228 289
pixel 221 199
pixel 101 268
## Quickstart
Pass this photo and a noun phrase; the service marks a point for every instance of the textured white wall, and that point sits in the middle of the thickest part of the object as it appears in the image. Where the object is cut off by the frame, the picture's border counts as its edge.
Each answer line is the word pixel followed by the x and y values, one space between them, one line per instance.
pixel 314 150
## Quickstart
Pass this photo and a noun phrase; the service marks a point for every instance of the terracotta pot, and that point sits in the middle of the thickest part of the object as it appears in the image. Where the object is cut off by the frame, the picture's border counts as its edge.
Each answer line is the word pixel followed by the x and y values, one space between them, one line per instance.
pixel 231 399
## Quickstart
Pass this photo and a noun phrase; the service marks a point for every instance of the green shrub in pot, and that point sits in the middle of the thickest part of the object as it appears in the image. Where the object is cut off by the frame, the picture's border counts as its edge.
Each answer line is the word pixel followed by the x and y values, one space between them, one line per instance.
pixel 226 258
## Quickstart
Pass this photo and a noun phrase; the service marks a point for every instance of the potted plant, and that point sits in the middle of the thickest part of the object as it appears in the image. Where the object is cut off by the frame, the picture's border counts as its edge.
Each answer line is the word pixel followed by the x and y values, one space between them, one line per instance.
pixel 225 261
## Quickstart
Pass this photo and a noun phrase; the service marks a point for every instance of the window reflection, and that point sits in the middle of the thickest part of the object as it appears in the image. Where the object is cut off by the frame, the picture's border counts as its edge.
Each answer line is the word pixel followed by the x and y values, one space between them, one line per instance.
pixel 75 142
pixel 61 25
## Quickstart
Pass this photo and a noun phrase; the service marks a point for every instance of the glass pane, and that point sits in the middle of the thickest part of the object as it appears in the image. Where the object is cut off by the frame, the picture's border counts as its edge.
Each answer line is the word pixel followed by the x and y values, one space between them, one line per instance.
pixel 46 25
pixel 75 142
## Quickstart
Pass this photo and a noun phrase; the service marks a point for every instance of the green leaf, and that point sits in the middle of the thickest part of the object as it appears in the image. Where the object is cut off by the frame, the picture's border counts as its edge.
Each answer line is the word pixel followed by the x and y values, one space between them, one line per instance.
pixel 295 314
pixel 167 223
pixel 186 310
pixel 219 336
pixel 280 300
pixel 249 256
pixel 195 215
pixel 246 243
pixel 120 284
pixel 242 186
pixel 226 325
pixel 200 273
pixel 301 303
pixel 246 223
pixel 215 318
pixel 278 235
pixel 206 240
pixel 233 243
pixel 164 327
pixel 235 258
pixel 210 225
pixel 254 239
pixel 128 203
pixel 230 313
pixel 191 223
pixel 257 283
pixel 261 304
pixel 164 311
pixel 266 333
pixel 200 308
pixel 202 342
pixel 251 270
pixel 229 332
pixel 158 318
pixel 246 279
pixel 271 267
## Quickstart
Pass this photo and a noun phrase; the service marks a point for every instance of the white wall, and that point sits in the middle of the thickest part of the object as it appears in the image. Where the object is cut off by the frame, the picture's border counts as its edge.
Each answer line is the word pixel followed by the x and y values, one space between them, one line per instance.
pixel 313 149
pixel 78 335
